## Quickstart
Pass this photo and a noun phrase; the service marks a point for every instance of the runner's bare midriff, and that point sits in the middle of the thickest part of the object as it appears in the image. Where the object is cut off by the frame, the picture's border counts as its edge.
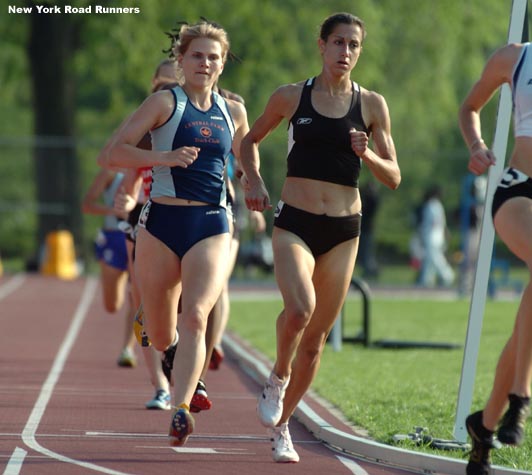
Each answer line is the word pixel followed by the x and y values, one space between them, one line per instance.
pixel 522 155
pixel 320 197
pixel 169 200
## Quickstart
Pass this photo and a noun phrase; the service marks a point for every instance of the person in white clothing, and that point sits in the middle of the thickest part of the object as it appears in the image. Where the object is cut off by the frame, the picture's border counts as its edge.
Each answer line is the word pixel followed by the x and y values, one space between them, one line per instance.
pixel 433 235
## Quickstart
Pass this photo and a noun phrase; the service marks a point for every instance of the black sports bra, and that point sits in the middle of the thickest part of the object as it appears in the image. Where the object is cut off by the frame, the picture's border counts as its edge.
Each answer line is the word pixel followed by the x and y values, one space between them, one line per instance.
pixel 319 146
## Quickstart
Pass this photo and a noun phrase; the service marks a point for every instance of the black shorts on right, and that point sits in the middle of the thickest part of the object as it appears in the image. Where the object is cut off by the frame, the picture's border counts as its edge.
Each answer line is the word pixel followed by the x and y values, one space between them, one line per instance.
pixel 512 184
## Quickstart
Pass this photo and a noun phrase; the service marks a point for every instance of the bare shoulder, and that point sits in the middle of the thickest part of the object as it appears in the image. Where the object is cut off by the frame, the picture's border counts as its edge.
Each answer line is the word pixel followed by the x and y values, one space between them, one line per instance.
pixel 162 97
pixel 285 99
pixel 372 99
pixel 237 109
pixel 163 104
pixel 504 59
pixel 374 108
pixel 158 102
pixel 289 92
pixel 509 52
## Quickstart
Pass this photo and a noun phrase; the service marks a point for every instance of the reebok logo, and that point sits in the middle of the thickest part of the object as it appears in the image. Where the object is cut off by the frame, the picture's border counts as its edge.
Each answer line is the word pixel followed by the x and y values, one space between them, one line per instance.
pixel 304 121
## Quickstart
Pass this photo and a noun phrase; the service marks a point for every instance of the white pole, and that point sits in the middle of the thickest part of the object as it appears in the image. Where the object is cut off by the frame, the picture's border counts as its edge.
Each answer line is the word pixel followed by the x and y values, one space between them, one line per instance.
pixel 478 297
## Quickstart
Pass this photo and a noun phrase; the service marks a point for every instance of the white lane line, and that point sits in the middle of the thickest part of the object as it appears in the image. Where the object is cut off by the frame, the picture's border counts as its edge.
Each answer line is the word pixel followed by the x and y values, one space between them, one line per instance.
pixel 15 462
pixel 355 468
pixel 206 450
pixel 133 435
pixel 11 285
pixel 28 434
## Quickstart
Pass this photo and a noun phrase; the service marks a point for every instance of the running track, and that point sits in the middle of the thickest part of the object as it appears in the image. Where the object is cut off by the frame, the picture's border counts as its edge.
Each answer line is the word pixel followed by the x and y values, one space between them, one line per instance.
pixel 67 408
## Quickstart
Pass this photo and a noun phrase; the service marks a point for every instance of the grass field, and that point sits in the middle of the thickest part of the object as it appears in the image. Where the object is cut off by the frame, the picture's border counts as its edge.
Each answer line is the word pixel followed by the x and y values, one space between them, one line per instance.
pixel 390 391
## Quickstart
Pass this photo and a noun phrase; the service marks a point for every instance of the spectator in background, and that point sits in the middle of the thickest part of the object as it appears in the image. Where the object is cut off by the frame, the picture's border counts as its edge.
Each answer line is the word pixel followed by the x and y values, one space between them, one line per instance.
pixel 433 232
pixel 470 220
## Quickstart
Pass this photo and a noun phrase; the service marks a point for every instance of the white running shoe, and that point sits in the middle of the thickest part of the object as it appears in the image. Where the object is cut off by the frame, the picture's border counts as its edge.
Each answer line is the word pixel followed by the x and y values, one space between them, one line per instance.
pixel 270 403
pixel 161 401
pixel 282 448
pixel 127 358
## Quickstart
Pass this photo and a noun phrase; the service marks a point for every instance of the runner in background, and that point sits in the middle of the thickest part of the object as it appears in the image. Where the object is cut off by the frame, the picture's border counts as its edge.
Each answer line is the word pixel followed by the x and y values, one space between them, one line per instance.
pixel 111 252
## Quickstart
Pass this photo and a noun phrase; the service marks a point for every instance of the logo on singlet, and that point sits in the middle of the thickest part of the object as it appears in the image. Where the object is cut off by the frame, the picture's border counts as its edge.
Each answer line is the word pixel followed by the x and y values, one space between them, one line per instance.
pixel 304 121
pixel 529 82
pixel 205 132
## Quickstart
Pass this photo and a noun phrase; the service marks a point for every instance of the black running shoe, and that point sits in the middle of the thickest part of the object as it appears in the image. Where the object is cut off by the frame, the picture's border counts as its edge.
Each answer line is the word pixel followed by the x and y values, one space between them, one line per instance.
pixel 167 361
pixel 512 428
pixel 483 441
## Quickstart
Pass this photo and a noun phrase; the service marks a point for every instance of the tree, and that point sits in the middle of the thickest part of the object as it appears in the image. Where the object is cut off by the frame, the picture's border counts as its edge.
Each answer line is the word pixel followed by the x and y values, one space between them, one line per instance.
pixel 53 40
pixel 88 72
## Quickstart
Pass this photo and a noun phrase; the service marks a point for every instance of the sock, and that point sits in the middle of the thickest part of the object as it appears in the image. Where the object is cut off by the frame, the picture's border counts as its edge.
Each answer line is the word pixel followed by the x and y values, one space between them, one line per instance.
pixel 519 400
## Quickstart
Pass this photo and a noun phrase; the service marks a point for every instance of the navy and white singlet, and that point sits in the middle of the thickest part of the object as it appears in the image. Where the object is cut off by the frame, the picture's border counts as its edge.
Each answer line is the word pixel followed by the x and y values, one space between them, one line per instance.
pixel 212 131
pixel 181 227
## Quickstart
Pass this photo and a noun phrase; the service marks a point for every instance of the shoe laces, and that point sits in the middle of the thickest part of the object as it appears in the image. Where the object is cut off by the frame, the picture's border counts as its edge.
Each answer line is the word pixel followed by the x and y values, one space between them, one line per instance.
pixel 273 391
pixel 282 439
pixel 161 395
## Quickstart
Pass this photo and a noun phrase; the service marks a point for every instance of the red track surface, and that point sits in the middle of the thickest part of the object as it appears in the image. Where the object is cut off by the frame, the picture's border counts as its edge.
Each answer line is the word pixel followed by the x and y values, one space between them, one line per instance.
pixel 67 408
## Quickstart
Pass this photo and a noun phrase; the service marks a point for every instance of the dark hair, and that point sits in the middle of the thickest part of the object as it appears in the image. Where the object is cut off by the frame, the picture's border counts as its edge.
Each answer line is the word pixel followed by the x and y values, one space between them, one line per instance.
pixel 433 191
pixel 165 62
pixel 160 80
pixel 330 23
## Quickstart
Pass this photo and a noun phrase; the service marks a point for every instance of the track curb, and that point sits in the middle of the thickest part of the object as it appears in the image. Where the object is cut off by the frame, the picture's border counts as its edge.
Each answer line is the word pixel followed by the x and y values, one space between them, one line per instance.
pixel 253 364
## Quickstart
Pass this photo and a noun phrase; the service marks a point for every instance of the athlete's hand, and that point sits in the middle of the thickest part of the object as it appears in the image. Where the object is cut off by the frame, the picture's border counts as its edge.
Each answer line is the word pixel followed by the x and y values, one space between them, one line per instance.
pixel 123 203
pixel 181 157
pixel 256 195
pixel 480 159
pixel 359 141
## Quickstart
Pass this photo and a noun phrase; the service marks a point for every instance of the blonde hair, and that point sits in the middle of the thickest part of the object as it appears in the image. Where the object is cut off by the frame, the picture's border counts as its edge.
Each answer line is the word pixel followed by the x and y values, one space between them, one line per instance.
pixel 203 29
